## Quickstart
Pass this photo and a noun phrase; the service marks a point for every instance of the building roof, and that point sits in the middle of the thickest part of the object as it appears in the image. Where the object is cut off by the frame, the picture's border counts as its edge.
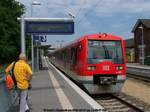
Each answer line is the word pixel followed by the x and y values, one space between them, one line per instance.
pixel 144 22
pixel 130 43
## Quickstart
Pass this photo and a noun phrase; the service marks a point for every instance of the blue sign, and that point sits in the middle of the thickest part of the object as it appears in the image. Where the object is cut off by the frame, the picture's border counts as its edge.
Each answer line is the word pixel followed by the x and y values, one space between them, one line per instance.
pixel 40 38
pixel 50 27
pixel 43 38
pixel 36 37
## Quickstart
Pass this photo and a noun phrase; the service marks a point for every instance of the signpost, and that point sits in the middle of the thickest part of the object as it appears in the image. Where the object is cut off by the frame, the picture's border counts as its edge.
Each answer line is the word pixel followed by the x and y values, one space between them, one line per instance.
pixel 40 38
pixel 45 26
pixel 43 39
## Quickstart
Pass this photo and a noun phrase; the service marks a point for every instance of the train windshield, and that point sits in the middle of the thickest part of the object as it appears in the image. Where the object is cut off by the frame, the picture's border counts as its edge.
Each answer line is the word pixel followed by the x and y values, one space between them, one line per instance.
pixel 99 51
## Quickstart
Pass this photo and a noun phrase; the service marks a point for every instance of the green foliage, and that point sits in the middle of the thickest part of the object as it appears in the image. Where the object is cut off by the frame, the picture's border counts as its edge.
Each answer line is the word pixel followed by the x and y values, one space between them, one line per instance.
pixel 9 30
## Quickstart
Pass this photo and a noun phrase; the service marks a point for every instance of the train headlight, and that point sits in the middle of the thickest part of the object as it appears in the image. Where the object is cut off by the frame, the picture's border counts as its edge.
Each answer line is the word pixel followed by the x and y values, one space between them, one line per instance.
pixel 91 68
pixel 119 68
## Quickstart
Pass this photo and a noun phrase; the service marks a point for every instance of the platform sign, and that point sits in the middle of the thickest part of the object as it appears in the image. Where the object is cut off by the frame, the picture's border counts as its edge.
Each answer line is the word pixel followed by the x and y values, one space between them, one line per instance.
pixel 36 37
pixel 43 38
pixel 40 38
pixel 49 27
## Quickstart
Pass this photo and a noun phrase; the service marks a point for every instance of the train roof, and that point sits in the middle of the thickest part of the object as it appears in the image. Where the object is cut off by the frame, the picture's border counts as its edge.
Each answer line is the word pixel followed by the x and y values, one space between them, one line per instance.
pixel 100 36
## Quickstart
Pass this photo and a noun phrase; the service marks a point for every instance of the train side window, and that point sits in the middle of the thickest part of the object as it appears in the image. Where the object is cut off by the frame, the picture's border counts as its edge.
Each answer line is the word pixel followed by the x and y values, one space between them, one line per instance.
pixel 68 55
pixel 63 55
pixel 73 56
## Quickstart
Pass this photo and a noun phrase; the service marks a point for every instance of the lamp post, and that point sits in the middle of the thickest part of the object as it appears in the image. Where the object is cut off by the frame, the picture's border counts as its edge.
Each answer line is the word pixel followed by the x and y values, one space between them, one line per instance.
pixel 32 47
pixel 142 46
pixel 22 35
pixel 34 3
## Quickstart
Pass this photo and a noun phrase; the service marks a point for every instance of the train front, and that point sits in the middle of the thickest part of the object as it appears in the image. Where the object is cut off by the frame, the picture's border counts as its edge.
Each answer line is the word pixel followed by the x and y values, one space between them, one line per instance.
pixel 105 65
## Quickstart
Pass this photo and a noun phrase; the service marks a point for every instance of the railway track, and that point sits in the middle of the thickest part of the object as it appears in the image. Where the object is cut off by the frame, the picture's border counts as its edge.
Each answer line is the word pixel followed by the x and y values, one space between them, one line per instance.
pixel 117 103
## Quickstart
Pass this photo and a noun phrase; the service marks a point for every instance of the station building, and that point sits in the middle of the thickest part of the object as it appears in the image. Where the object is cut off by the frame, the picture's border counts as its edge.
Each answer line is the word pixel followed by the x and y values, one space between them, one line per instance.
pixel 141 32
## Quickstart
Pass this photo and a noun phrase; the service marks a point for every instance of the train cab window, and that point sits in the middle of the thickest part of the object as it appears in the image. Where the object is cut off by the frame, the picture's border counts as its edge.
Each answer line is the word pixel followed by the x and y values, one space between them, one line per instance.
pixel 99 51
pixel 73 56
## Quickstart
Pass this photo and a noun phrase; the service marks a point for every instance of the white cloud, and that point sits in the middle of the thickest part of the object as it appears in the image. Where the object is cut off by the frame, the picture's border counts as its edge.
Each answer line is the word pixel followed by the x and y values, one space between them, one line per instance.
pixel 110 7
pixel 82 9
pixel 99 7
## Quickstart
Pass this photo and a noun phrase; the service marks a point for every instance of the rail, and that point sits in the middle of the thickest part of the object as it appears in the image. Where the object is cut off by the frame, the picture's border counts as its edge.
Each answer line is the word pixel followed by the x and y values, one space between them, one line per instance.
pixel 117 103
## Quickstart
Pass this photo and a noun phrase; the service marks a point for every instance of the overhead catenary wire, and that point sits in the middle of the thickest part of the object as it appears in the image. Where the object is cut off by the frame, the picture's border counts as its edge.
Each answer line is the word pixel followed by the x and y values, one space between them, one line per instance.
pixel 88 12
pixel 81 7
pixel 65 5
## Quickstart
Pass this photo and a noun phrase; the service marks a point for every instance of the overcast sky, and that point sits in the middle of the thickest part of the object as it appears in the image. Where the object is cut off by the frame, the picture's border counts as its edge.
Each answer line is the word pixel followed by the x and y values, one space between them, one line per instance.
pixel 92 16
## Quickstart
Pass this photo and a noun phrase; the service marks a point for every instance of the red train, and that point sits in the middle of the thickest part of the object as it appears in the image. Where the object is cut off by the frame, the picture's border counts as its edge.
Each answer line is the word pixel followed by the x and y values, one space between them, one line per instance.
pixel 96 61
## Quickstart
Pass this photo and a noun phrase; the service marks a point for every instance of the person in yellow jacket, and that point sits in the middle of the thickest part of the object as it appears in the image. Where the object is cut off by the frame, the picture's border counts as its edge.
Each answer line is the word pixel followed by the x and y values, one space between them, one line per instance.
pixel 22 73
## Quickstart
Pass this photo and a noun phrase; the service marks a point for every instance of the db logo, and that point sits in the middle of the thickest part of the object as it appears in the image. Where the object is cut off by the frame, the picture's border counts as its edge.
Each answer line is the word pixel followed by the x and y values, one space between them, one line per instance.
pixel 106 67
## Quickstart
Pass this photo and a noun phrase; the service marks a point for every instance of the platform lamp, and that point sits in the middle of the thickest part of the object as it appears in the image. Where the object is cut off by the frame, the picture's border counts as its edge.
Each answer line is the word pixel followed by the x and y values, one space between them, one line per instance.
pixel 142 46
pixel 32 48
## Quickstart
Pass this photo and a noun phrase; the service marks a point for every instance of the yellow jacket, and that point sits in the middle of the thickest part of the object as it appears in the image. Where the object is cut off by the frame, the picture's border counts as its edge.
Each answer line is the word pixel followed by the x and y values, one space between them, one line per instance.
pixel 22 73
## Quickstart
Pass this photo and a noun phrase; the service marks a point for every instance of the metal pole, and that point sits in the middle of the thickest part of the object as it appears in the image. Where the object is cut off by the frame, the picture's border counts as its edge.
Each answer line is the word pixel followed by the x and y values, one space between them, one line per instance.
pixel 22 35
pixel 37 57
pixel 33 3
pixel 142 47
pixel 32 47
pixel 32 53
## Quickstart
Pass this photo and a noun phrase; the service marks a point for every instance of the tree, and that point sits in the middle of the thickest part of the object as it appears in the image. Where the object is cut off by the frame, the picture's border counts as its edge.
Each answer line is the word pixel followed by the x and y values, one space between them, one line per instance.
pixel 9 30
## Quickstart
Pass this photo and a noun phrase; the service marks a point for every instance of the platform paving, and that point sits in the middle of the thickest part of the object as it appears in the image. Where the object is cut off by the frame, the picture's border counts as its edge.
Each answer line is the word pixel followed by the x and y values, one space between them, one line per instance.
pixel 51 93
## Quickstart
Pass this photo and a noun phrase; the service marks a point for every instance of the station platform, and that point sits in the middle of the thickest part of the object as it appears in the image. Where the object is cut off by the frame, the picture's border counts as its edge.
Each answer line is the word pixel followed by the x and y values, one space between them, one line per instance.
pixel 138 65
pixel 53 92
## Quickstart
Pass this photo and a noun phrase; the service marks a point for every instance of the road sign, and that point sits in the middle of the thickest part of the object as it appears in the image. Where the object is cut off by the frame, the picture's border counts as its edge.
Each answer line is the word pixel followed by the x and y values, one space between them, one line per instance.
pixel 50 27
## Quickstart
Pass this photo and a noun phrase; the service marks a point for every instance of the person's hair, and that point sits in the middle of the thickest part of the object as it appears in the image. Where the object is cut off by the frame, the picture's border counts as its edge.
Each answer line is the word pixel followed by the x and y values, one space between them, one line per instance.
pixel 22 56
